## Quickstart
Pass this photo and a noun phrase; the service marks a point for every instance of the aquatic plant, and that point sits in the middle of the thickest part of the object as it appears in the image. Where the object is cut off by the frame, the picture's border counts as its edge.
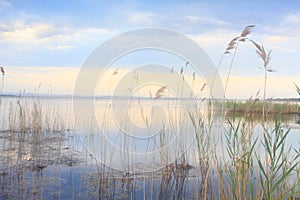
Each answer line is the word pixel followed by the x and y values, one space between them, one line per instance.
pixel 277 166
pixel 266 57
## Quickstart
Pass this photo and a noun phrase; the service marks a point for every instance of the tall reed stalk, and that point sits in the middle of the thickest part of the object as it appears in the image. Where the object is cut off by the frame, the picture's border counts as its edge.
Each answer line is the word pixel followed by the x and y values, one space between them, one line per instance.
pixel 233 45
pixel 266 57
pixel 239 170
pixel 297 89
pixel 2 81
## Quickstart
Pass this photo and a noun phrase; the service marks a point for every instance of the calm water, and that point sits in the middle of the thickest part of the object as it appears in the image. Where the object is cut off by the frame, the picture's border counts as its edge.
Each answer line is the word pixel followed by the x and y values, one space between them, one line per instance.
pixel 88 148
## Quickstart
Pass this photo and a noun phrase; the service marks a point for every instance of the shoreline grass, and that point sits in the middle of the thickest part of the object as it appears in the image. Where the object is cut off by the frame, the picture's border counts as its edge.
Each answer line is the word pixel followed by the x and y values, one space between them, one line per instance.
pixel 241 175
pixel 250 159
pixel 255 107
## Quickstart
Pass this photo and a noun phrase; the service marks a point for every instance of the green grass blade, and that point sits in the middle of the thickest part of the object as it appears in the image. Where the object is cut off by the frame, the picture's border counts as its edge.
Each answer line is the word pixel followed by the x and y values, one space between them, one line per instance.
pixel 283 177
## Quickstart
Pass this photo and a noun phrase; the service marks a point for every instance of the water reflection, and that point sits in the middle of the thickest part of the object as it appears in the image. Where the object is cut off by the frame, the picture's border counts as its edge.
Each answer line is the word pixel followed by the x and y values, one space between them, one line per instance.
pixel 44 156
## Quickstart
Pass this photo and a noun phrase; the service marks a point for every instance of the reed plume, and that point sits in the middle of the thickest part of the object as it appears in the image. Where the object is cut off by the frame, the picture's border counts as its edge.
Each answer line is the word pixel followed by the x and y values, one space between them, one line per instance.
pixel 266 57
pixel 160 92
pixel 233 46
pixel 2 71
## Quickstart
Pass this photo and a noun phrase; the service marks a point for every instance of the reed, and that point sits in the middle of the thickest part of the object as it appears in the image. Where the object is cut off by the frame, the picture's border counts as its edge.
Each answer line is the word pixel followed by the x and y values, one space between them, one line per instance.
pixel 233 46
pixel 278 166
pixel 255 107
pixel 240 146
pixel 34 127
pixel 33 140
pixel 266 57
pixel 249 160
pixel 2 82
pixel 297 89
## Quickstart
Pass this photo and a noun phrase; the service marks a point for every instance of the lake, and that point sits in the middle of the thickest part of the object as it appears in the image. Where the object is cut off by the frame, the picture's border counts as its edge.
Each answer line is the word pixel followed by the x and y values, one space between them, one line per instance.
pixel 85 148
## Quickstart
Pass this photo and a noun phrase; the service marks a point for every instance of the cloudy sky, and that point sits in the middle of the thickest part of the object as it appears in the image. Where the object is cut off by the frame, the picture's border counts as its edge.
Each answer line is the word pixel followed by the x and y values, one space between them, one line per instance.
pixel 46 42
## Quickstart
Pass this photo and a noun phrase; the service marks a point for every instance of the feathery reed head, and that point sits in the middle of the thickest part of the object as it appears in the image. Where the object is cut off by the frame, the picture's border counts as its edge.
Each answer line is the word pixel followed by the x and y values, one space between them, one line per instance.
pixel 266 57
pixel 187 63
pixel 160 92
pixel 2 71
pixel 115 72
pixel 242 38
pixel 247 30
pixel 231 45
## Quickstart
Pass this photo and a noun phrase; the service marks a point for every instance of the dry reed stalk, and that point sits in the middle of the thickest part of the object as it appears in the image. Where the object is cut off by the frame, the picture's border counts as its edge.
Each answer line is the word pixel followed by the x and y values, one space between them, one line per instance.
pixel 233 45
pixel 297 88
pixel 2 82
pixel 266 57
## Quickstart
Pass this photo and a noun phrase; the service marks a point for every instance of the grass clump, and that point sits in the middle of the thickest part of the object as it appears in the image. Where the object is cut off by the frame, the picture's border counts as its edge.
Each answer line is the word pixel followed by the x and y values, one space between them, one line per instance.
pixel 276 166
pixel 239 168
pixel 256 107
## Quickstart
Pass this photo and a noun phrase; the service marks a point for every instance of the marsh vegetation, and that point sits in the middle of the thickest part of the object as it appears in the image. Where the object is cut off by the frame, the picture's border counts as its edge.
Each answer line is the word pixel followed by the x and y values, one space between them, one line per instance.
pixel 239 150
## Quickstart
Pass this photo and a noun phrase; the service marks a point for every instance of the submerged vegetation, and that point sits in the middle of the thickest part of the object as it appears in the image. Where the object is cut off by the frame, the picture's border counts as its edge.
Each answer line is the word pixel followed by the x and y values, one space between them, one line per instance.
pixel 236 157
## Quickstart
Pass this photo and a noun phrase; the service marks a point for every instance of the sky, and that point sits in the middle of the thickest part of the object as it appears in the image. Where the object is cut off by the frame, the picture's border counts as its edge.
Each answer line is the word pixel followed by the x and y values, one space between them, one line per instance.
pixel 45 43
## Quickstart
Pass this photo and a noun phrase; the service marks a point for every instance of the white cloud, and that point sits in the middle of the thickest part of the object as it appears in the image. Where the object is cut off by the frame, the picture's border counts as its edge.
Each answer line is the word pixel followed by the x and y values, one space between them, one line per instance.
pixel 217 40
pixel 206 20
pixel 60 47
pixel 289 26
pixel 142 18
pixel 215 35
pixel 280 43
pixel 292 19
pixel 5 3
pixel 50 36
pixel 192 18
pixel 22 32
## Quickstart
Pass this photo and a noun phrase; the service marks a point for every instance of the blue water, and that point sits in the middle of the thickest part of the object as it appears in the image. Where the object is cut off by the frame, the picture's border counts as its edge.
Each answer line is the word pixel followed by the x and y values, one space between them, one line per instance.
pixel 68 164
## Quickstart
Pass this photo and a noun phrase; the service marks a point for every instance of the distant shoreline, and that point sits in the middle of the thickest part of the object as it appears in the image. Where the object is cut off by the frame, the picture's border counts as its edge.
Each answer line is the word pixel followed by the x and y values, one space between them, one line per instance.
pixel 68 96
